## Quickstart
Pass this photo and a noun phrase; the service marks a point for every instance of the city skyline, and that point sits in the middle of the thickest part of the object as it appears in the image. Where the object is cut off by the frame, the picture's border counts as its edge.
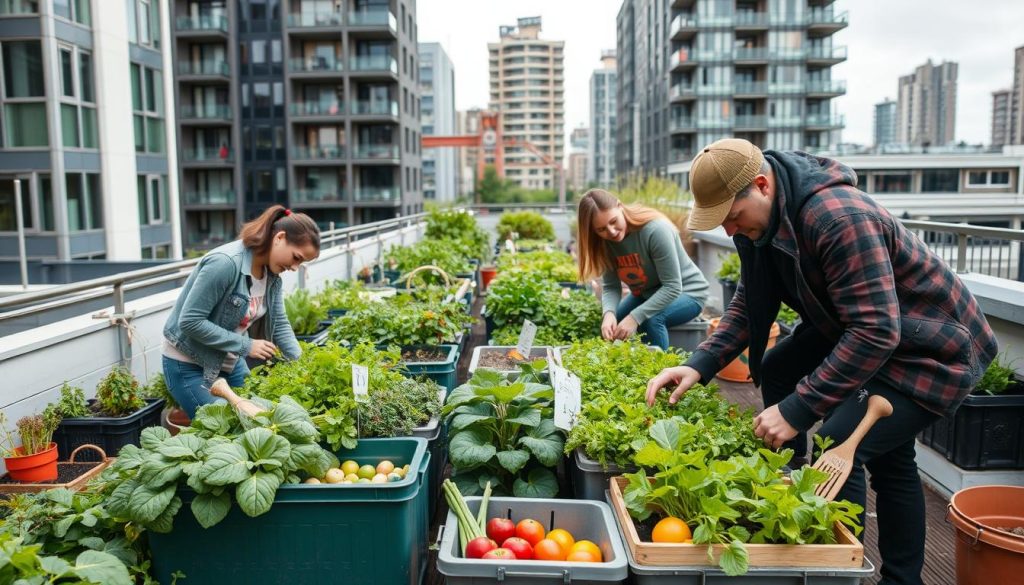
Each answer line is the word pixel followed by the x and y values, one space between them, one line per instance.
pixel 881 49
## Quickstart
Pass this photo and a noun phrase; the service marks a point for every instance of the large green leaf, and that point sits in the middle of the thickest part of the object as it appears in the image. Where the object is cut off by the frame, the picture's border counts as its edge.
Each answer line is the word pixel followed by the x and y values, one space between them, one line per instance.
pixel 261 443
pixel 164 523
pixel 101 567
pixel 151 437
pixel 309 458
pixel 293 421
pixel 734 559
pixel 539 483
pixel 158 470
pixel 471 448
pixel 652 455
pixel 181 446
pixel 256 494
pixel 545 442
pixel 468 414
pixel 666 434
pixel 503 394
pixel 529 417
pixel 52 565
pixel 225 464
pixel 147 503
pixel 513 460
pixel 209 509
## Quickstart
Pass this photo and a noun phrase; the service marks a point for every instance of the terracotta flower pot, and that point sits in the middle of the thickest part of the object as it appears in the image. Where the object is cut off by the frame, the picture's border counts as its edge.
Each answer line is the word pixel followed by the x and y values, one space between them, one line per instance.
pixel 487 274
pixel 985 554
pixel 738 370
pixel 41 466
pixel 175 420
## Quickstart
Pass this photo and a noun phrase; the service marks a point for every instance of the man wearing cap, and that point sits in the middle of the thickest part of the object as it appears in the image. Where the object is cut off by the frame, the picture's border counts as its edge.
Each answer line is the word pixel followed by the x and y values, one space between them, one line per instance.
pixel 880 314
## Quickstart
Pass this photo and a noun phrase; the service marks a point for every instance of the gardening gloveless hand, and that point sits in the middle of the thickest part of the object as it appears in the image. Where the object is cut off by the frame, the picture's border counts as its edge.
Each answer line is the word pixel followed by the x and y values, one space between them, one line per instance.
pixel 772 428
pixel 626 328
pixel 683 376
pixel 608 325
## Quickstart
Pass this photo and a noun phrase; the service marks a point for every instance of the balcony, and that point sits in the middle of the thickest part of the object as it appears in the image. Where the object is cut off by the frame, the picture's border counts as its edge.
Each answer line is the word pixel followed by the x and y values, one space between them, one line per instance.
pixel 317 108
pixel 316 65
pixel 751 55
pixel 712 56
pixel 750 122
pixel 315 19
pixel 319 195
pixel 204 155
pixel 374 64
pixel 196 25
pixel 680 155
pixel 328 152
pixel 378 194
pixel 374 19
pixel 375 108
pixel 826 22
pixel 750 20
pixel 205 113
pixel 824 121
pixel 682 124
pixel 18 8
pixel 750 89
pixel 682 91
pixel 377 152
pixel 791 88
pixel 205 69
pixel 785 122
pixel 714 123
pixel 826 88
pixel 722 89
pixel 826 55
pixel 684 26
pixel 682 59
pixel 787 54
pixel 208 197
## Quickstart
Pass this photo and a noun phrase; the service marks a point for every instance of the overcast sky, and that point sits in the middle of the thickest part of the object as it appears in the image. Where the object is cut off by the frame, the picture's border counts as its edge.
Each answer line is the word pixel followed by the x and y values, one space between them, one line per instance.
pixel 886 39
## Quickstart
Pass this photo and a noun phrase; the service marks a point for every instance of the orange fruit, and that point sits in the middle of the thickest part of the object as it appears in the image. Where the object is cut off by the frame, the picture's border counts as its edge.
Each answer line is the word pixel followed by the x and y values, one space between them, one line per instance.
pixel 585 546
pixel 548 550
pixel 530 530
pixel 581 555
pixel 563 538
pixel 671 529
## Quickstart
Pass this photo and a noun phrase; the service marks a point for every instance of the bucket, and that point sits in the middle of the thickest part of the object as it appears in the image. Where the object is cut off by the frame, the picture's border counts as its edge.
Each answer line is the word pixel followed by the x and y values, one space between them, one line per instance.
pixel 487 274
pixel 986 555
pixel 738 369
pixel 35 468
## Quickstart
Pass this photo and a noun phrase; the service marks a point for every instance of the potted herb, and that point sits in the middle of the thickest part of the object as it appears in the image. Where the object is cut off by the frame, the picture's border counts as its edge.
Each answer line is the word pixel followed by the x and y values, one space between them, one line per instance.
pixel 113 419
pixel 307 317
pixel 787 320
pixel 36 459
pixel 729 277
pixel 987 430
pixel 527 225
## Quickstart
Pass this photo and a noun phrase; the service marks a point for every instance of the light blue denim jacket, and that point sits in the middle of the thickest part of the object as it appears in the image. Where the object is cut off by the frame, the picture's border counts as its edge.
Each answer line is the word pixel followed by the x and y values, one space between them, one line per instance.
pixel 212 304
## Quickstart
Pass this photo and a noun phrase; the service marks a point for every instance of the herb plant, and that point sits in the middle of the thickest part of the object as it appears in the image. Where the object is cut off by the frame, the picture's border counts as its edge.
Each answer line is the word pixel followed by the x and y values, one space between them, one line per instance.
pixel 119 394
pixel 503 432
pixel 997 378
pixel 443 254
pixel 787 316
pixel 22 563
pixel 72 403
pixel 456 225
pixel 304 313
pixel 527 225
pixel 730 269
pixel 401 320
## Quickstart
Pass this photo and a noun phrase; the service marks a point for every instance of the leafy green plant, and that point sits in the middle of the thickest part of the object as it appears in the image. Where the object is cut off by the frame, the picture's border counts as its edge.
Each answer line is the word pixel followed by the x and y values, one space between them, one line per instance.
pixel 516 296
pixel 787 316
pixel 304 313
pixel 341 294
pixel 221 457
pixel 72 403
pixel 565 317
pixel 503 432
pixel 730 269
pixel 396 409
pixel 65 524
pixel 458 225
pixel 527 225
pixel 554 265
pixel 37 431
pixel 157 388
pixel 739 500
pixel 441 253
pixel 22 563
pixel 401 320
pixel 118 394
pixel 997 377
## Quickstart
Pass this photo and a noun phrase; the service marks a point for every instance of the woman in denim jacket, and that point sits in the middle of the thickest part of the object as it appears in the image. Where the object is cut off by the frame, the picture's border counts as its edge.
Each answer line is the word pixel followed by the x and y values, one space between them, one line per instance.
pixel 231 306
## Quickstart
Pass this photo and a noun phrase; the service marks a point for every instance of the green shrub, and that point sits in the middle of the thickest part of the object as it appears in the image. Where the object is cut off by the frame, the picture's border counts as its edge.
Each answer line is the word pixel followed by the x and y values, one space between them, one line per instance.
pixel 444 254
pixel 527 225
pixel 119 394
pixel 460 226
pixel 304 313
pixel 401 320
pixel 730 270
pixel 997 378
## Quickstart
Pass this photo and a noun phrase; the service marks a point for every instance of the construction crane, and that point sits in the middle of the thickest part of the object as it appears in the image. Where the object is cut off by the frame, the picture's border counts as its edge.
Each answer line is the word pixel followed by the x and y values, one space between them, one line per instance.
pixel 490 141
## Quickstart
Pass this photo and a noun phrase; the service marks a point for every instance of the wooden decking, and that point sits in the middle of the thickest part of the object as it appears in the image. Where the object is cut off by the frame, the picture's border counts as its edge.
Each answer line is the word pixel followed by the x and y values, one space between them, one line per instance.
pixel 940 562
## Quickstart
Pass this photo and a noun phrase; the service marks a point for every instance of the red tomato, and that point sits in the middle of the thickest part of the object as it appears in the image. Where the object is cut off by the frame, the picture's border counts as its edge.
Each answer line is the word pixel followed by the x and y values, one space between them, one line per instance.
pixel 500 529
pixel 479 546
pixel 500 553
pixel 522 549
pixel 530 530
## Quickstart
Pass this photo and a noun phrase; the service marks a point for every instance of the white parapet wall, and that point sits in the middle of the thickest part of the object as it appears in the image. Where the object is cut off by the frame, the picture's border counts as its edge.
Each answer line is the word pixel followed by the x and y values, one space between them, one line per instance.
pixel 34 364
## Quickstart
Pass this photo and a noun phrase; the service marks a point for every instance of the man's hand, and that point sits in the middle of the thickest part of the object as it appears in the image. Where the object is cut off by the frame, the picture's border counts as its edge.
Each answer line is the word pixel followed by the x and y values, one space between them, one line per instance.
pixel 262 349
pixel 608 325
pixel 684 377
pixel 626 328
pixel 772 428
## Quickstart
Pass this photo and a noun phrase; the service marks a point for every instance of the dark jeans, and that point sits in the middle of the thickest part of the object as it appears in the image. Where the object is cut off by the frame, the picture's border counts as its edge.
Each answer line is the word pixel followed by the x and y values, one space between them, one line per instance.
pixel 887 451
pixel 185 382
pixel 655 329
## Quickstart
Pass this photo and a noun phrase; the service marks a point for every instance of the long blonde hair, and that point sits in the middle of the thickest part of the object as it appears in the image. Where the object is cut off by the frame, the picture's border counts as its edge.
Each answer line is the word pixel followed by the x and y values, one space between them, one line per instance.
pixel 594 259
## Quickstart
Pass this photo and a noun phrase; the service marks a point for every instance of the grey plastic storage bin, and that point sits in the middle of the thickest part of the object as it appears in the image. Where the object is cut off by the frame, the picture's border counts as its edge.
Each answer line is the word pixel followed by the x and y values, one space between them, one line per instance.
pixel 589 478
pixel 688 335
pixel 645 575
pixel 585 520
pixel 437 446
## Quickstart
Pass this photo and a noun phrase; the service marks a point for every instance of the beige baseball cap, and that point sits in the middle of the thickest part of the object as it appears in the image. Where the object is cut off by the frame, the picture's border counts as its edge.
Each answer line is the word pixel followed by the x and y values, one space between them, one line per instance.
pixel 718 173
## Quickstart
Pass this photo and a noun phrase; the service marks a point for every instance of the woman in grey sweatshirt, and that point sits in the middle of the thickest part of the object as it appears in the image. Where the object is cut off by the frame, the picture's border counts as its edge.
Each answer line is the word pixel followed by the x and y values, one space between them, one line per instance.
pixel 232 306
pixel 640 247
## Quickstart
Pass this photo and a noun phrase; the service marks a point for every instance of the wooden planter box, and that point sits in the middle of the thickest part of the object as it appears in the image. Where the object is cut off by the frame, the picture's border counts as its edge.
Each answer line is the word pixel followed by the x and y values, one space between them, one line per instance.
pixel 848 552
pixel 73 485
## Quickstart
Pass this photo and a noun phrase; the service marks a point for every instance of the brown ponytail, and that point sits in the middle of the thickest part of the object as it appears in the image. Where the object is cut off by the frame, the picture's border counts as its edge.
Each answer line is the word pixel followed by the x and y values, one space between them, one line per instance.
pixel 298 228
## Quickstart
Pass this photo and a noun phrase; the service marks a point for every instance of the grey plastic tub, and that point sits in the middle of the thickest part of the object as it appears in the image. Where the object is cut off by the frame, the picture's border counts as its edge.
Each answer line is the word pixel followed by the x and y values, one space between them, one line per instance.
pixel 437 446
pixel 585 520
pixel 589 478
pixel 688 336
pixel 689 575
pixel 539 351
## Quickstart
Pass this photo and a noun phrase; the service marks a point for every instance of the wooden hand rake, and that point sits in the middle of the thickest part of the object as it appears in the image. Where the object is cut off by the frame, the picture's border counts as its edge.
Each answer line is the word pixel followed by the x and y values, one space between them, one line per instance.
pixel 838 462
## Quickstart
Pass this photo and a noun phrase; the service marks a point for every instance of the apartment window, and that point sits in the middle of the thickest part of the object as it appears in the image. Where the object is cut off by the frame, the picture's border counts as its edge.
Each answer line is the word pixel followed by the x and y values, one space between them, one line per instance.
pixel 977 179
pixel 24 116
pixel 148 106
pixel 144 22
pixel 85 204
pixel 940 180
pixel 153 205
pixel 160 252
pixel 74 10
pixel 898 182
pixel 77 114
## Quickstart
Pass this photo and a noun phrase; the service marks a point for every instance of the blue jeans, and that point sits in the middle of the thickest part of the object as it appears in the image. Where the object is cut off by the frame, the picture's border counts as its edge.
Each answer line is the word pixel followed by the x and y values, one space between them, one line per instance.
pixel 655 328
pixel 185 382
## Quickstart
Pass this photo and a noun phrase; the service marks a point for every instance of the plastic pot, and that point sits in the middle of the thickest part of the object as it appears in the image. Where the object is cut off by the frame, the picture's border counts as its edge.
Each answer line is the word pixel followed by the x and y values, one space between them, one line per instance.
pixel 41 466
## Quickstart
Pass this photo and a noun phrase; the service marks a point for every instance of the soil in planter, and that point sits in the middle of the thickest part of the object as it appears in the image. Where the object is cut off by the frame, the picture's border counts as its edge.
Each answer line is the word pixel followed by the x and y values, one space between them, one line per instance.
pixel 500 360
pixel 1018 531
pixel 424 354
pixel 66 473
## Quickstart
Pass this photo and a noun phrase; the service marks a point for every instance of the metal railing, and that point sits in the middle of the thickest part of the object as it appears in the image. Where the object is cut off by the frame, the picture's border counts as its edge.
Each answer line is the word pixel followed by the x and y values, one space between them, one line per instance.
pixel 991 251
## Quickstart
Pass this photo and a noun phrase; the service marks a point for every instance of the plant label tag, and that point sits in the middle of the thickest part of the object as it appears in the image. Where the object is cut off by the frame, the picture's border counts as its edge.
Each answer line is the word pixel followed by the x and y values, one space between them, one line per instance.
pixel 510 246
pixel 361 383
pixel 567 397
pixel 526 339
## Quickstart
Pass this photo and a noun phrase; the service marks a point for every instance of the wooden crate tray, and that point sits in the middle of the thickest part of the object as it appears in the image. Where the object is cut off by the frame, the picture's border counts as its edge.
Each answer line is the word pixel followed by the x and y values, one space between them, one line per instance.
pixel 73 485
pixel 847 552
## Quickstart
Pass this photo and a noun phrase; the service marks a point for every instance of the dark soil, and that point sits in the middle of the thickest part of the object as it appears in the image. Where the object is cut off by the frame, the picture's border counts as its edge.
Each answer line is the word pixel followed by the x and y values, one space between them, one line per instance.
pixel 424 354
pixel 499 359
pixel 66 472
pixel 1018 531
